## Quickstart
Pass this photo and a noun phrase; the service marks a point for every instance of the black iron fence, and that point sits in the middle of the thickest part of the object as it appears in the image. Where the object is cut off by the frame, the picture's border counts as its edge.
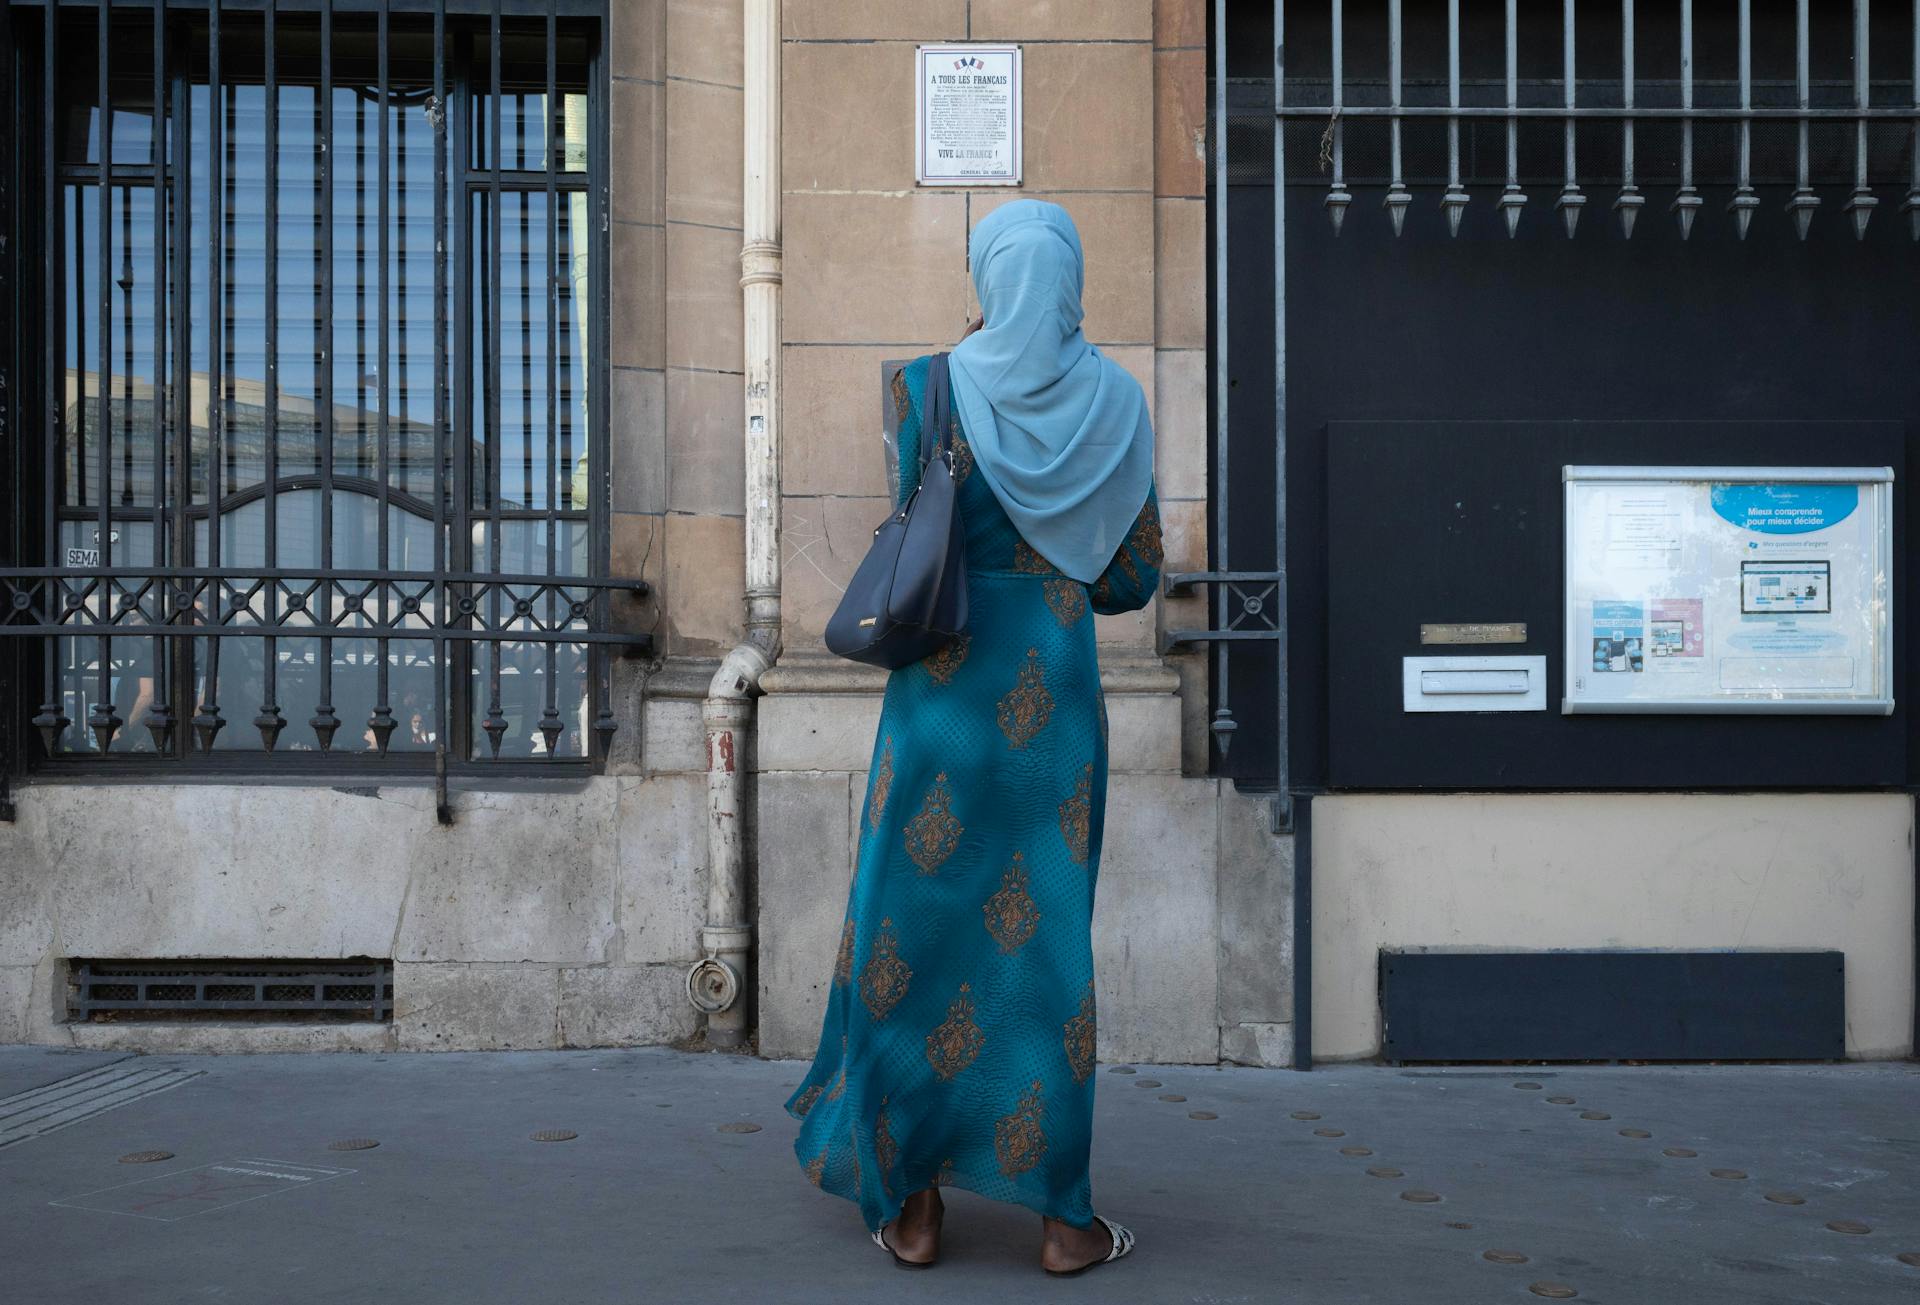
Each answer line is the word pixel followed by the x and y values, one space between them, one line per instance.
pixel 304 394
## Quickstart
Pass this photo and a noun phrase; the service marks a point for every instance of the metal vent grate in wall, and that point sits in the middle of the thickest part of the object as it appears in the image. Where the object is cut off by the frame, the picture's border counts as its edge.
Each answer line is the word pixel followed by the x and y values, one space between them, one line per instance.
pixel 357 989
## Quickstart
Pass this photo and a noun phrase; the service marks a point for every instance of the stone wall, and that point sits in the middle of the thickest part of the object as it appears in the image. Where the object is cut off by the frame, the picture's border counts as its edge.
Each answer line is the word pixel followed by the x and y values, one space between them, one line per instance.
pixel 1190 932
pixel 1801 871
pixel 675 192
pixel 563 915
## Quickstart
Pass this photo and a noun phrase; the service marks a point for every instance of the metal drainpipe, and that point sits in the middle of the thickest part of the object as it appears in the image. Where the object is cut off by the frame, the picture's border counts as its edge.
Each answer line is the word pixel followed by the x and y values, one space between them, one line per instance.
pixel 717 983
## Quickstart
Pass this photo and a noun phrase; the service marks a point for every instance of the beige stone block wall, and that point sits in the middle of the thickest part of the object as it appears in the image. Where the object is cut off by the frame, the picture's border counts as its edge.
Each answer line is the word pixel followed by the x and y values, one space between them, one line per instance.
pixel 675 144
pixel 1680 871
pixel 1180 334
pixel 876 267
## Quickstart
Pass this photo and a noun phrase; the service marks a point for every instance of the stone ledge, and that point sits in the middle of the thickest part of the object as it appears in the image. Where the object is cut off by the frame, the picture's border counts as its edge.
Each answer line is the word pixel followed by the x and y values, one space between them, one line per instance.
pixel 187 1036
pixel 682 677
pixel 820 714
pixel 808 672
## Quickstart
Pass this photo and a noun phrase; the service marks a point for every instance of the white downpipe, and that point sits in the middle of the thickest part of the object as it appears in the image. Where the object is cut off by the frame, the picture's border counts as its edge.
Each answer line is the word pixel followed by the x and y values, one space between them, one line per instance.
pixel 718 983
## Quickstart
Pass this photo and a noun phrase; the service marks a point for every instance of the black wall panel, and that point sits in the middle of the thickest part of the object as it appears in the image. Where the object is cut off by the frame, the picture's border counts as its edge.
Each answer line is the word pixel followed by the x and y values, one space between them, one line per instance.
pixel 1613 1005
pixel 1462 521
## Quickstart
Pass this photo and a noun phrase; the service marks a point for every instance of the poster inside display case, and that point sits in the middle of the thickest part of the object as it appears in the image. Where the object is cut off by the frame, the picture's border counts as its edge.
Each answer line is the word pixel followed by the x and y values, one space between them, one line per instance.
pixel 1729 589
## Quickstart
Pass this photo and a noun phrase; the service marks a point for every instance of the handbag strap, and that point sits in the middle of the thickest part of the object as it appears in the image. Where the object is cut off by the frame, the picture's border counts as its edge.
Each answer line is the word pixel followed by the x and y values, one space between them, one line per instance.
pixel 939 410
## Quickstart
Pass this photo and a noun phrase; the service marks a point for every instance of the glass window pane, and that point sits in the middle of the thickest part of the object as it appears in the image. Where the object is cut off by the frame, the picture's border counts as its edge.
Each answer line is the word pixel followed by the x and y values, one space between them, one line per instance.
pixel 130 81
pixel 296 375
pixel 530 420
pixel 525 139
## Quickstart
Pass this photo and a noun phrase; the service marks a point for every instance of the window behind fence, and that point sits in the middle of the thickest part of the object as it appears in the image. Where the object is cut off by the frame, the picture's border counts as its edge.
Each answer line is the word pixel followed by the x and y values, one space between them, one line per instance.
pixel 321 457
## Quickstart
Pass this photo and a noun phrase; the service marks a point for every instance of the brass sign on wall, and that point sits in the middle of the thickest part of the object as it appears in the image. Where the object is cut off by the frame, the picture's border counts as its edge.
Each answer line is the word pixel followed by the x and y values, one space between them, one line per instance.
pixel 1473 632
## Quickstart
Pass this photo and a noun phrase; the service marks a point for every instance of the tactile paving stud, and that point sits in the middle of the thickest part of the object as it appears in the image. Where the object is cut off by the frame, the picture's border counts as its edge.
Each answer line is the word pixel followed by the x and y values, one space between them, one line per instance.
pixel 1853 1226
pixel 1552 1290
pixel 1356 1150
pixel 1786 1198
pixel 1680 1152
pixel 1306 1114
pixel 1728 1173
pixel 1560 1101
pixel 740 1127
pixel 1387 1171
pixel 1504 1257
pixel 353 1144
pixel 1534 1087
pixel 1201 1114
pixel 1635 1132
pixel 1147 1083
pixel 1329 1132
pixel 144 1157
pixel 1123 1069
pixel 554 1135
pixel 1595 1114
pixel 1419 1197
pixel 1171 1096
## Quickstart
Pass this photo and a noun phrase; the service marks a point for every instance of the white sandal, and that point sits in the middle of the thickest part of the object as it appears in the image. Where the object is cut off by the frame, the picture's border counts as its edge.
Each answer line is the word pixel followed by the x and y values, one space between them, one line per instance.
pixel 1122 1245
pixel 880 1240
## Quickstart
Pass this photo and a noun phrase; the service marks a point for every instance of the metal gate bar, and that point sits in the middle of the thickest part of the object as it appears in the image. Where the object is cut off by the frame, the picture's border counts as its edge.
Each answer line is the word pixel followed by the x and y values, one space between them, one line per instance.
pixel 1687 200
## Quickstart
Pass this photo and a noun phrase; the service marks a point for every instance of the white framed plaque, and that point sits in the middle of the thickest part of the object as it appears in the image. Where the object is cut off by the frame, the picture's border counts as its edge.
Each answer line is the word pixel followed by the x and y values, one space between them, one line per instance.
pixel 967 115
pixel 1729 589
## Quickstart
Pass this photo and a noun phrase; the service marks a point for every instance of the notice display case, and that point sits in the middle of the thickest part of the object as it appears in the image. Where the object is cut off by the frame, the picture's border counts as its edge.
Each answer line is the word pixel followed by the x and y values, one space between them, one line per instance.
pixel 1728 589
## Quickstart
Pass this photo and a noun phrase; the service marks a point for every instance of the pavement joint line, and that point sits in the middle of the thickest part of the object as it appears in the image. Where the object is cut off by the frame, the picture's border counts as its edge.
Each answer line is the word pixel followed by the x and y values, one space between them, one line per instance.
pixel 92 1092
pixel 94 1097
pixel 26 1099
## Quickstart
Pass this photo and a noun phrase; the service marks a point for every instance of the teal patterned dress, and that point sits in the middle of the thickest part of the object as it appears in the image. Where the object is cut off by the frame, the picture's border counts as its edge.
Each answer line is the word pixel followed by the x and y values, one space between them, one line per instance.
pixel 958 1043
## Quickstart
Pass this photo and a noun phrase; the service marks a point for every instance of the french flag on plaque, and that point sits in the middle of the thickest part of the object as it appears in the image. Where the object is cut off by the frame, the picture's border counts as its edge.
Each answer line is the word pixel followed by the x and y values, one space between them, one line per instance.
pixel 967 112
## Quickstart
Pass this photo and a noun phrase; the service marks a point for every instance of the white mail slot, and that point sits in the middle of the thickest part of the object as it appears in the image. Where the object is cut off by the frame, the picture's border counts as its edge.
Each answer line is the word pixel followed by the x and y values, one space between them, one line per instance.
pixel 1474 683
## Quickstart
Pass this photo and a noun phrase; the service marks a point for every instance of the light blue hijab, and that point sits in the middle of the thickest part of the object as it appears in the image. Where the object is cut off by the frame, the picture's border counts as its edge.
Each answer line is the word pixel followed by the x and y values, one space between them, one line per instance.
pixel 1060 431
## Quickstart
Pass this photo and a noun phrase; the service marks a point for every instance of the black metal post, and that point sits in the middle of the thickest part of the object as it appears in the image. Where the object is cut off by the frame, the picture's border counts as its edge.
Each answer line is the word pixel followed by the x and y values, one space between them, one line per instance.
pixel 207 722
pixel 1303 932
pixel 271 720
pixel 325 719
pixel 382 722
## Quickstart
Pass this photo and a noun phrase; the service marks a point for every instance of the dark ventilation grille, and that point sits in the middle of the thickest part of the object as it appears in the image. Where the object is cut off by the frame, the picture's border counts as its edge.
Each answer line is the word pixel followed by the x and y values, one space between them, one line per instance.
pixel 323 990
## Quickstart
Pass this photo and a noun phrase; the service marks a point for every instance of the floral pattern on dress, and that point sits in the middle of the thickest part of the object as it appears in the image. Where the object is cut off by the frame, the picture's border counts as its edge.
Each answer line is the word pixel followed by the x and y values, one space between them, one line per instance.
pixel 943 661
pixel 934 831
pixel 1020 1137
pixel 1011 913
pixel 882 786
pixel 1068 599
pixel 1027 706
pixel 956 1043
pixel 1076 816
pixel 1080 1036
pixel 884 981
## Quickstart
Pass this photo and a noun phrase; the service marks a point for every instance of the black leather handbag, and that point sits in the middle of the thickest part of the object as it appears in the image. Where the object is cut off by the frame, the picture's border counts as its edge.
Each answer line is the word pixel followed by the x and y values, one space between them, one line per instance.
pixel 909 596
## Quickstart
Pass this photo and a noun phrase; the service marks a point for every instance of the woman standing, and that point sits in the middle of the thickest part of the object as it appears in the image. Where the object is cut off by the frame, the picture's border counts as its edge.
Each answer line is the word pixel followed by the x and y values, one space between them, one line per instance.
pixel 958 1044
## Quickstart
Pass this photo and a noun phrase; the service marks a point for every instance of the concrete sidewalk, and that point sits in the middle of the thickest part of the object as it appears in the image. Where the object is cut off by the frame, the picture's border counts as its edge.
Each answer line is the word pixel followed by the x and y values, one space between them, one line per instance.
pixel 1272 1200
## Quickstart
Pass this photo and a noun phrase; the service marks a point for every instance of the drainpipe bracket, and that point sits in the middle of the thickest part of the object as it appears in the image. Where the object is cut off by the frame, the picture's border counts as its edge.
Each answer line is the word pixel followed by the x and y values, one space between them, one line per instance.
pixel 720 939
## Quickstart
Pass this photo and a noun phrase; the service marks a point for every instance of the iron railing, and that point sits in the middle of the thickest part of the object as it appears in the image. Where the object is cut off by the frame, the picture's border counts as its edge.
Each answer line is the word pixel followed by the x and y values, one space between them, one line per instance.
pixel 166 477
pixel 1620 101
pixel 1314 85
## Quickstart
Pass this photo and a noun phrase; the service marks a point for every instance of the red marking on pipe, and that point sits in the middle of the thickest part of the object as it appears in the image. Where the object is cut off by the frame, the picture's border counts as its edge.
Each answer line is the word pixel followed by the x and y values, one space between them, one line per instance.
pixel 726 752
